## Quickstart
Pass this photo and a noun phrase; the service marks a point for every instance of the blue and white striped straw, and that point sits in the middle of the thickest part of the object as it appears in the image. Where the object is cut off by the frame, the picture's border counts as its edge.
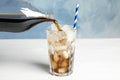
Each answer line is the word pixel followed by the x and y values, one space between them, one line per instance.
pixel 76 16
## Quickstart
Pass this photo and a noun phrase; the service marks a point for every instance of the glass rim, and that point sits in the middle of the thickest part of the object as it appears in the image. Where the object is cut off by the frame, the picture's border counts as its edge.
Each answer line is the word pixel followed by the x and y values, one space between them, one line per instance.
pixel 50 29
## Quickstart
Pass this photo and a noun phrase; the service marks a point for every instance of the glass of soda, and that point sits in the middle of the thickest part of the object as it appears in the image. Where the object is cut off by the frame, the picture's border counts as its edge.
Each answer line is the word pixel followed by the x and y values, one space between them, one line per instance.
pixel 61 48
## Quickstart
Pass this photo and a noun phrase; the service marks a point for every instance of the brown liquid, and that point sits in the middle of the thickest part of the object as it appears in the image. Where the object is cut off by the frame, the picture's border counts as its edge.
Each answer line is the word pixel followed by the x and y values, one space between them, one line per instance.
pixel 62 63
pixel 57 25
pixel 20 23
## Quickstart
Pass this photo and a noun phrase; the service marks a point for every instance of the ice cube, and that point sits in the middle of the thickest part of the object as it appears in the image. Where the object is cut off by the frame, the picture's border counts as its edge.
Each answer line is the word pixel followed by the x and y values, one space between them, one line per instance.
pixel 61 35
pixel 52 37
pixel 56 57
pixel 70 36
pixel 61 47
pixel 62 70
pixel 64 64
pixel 57 36
pixel 66 28
pixel 57 46
pixel 65 54
pixel 63 41
pixel 70 32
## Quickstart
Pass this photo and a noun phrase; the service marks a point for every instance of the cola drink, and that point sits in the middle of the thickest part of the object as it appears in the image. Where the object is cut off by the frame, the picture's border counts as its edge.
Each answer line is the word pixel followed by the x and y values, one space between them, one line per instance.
pixel 61 46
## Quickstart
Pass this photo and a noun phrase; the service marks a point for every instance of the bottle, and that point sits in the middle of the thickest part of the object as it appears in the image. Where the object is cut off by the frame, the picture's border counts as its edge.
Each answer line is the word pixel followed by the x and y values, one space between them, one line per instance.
pixel 23 22
pixel 22 17
pixel 19 22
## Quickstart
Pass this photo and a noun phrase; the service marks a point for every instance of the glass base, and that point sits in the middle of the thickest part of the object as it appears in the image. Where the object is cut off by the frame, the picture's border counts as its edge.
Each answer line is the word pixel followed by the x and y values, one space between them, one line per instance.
pixel 61 74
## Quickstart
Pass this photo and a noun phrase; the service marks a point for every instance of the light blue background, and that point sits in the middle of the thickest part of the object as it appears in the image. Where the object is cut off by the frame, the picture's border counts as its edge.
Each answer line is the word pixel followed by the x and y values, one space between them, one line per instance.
pixel 97 18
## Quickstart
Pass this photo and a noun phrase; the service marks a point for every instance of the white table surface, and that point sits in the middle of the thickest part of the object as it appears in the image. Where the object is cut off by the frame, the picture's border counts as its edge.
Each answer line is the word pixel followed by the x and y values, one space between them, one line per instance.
pixel 27 59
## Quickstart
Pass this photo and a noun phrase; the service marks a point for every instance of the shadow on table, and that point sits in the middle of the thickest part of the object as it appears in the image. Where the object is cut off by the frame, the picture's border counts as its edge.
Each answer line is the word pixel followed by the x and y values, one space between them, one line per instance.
pixel 43 66
pixel 40 65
